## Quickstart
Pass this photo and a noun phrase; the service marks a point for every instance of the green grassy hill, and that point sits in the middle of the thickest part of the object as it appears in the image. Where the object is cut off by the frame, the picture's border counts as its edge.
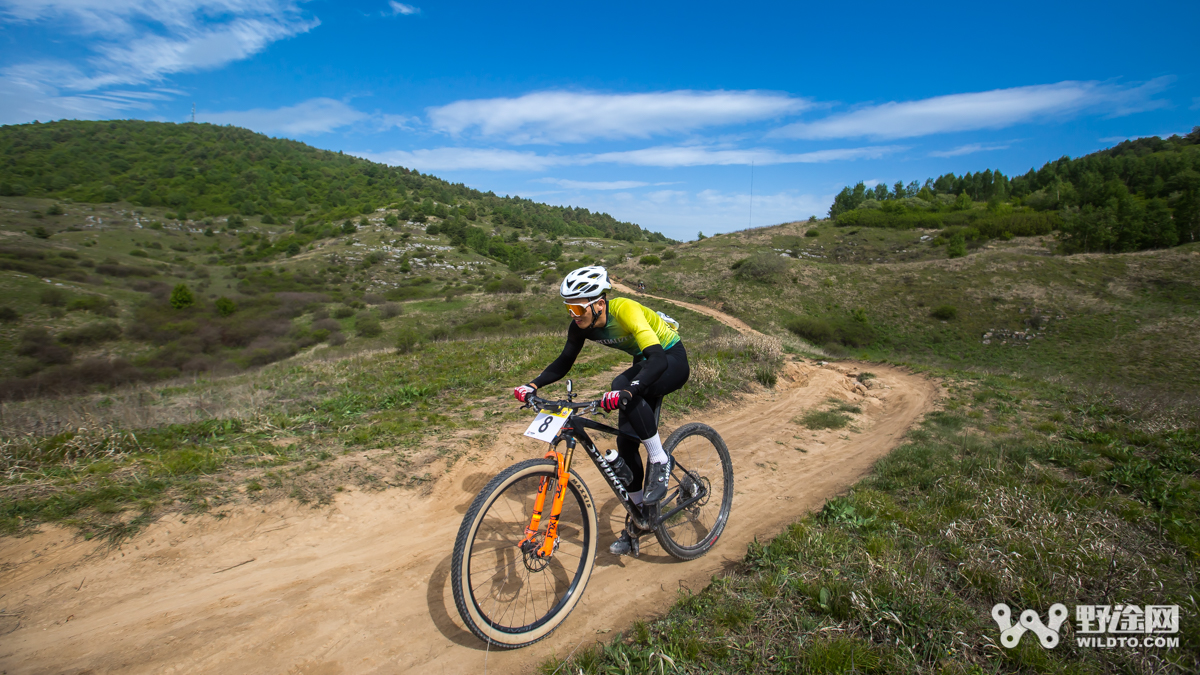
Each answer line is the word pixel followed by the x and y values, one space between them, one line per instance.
pixel 104 220
pixel 1140 194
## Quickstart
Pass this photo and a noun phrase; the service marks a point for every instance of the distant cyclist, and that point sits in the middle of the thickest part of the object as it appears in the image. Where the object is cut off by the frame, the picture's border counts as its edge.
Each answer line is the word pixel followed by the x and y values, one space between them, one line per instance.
pixel 660 366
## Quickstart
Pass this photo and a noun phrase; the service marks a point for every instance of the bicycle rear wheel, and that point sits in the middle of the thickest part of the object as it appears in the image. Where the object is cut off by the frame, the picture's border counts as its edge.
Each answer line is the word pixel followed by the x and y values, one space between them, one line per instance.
pixel 702 468
pixel 510 598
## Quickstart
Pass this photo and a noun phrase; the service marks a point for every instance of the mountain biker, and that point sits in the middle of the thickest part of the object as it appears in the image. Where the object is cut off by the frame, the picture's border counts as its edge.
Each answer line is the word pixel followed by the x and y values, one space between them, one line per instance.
pixel 660 366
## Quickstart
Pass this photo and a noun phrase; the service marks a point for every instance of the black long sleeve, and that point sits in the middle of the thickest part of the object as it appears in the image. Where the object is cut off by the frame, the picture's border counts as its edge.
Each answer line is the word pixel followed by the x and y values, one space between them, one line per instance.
pixel 562 365
pixel 656 365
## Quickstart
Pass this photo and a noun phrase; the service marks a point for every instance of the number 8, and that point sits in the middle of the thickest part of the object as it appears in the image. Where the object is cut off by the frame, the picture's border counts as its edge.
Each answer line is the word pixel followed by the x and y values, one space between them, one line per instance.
pixel 545 424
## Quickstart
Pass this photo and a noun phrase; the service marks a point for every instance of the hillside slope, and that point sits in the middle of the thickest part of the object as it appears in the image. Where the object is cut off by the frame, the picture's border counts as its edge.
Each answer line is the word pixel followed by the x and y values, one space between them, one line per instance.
pixel 204 170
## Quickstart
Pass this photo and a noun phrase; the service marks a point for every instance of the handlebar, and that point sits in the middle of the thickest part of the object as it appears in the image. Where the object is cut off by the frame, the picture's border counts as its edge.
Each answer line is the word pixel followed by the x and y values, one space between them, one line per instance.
pixel 538 403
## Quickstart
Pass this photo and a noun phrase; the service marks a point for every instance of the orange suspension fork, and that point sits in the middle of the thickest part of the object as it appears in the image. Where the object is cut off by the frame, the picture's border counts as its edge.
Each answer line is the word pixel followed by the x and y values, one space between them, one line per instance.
pixel 563 460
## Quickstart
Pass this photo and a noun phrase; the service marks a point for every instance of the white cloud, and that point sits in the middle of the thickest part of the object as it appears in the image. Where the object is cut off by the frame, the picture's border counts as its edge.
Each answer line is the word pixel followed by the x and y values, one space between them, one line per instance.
pixel 967 149
pixel 23 101
pixel 401 8
pixel 595 185
pixel 983 110
pixel 314 116
pixel 667 156
pixel 453 159
pixel 692 155
pixel 150 58
pixel 135 42
pixel 575 117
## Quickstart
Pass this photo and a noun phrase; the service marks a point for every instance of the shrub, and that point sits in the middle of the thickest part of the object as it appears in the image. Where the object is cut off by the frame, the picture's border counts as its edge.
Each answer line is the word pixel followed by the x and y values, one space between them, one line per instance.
pixel 669 254
pixel 328 325
pixel 54 210
pixel 119 270
pixel 407 339
pixel 650 260
pixel 367 325
pixel 55 297
pixel 509 284
pixel 945 312
pixel 848 331
pixel 36 343
pixel 94 333
pixel 390 309
pixel 337 339
pixel 182 298
pixel 812 233
pixel 95 304
pixel 225 306
pixel 373 299
pixel 40 232
pixel 762 266
pixel 957 246
pixel 765 374
pixel 293 248
pixel 139 253
pixel 9 315
pixel 816 331
pixel 343 313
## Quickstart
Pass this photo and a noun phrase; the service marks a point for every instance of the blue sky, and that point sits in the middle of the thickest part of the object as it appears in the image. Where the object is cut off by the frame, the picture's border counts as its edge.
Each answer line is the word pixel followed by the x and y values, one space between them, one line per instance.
pixel 658 113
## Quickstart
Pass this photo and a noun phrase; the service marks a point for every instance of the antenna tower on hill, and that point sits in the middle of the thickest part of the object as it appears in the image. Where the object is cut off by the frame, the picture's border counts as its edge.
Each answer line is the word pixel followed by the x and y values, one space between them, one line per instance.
pixel 193 113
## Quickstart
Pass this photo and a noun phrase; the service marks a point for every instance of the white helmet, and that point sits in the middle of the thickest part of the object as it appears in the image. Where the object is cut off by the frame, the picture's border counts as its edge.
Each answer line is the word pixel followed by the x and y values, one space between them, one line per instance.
pixel 584 283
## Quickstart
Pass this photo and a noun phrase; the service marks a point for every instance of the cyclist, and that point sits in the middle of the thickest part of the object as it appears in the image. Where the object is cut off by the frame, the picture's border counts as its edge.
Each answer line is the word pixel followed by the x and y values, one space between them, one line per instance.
pixel 660 366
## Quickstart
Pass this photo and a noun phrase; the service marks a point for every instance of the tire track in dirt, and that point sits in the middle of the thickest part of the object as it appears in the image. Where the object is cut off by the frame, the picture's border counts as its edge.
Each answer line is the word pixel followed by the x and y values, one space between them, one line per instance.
pixel 361 586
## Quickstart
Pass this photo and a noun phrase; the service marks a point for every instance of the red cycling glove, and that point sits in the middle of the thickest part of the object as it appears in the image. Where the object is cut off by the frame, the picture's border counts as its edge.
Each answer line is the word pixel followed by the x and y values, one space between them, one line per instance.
pixel 611 400
pixel 522 392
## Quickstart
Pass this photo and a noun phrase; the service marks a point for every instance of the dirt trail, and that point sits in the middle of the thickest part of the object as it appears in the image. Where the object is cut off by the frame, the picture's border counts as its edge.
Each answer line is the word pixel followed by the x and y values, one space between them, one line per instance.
pixel 361 586
pixel 732 322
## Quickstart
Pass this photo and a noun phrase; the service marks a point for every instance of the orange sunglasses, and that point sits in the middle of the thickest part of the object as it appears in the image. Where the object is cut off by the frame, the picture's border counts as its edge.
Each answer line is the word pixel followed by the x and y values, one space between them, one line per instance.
pixel 577 310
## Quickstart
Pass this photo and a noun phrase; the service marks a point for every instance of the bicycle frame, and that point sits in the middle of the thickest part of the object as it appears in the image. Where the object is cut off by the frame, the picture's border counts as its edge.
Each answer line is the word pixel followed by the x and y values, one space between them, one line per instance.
pixel 572 432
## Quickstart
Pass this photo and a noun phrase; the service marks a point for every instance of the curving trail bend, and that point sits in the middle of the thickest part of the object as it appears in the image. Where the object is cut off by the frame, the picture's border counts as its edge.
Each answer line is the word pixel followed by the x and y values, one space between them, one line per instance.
pixel 361 586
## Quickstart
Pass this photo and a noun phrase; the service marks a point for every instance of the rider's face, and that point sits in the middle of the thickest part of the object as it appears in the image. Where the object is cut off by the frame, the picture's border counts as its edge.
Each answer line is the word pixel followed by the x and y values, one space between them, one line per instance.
pixel 588 321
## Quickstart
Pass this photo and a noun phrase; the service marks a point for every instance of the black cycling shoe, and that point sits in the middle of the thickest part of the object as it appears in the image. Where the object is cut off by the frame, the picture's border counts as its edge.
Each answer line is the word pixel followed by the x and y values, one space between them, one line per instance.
pixel 627 543
pixel 658 476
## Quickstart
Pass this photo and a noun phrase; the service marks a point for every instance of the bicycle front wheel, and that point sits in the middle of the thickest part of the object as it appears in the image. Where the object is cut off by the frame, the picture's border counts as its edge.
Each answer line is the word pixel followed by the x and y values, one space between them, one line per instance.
pixel 702 469
pixel 508 597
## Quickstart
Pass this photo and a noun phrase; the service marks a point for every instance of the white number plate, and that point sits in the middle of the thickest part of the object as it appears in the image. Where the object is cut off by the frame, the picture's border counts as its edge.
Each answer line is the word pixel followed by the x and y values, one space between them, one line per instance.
pixel 546 425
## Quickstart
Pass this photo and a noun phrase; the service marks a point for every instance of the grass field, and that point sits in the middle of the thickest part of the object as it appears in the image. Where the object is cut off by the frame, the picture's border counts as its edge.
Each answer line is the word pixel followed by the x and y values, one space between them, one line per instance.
pixel 1020 492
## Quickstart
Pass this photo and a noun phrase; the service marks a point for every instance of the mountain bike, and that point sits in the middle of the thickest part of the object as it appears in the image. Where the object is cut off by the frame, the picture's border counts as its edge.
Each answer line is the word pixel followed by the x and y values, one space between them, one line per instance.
pixel 527 544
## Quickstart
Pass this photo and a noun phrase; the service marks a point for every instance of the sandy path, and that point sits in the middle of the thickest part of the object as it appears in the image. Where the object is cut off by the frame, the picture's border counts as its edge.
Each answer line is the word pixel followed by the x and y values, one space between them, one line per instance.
pixel 361 587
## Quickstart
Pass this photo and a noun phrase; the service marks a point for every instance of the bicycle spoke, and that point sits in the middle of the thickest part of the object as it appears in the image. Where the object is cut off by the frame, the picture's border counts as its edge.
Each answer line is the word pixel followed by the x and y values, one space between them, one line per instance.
pixel 504 580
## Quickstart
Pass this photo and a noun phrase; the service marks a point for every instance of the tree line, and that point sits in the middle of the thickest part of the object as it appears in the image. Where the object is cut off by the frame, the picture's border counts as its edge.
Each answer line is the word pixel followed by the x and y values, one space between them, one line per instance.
pixel 1137 195
pixel 204 170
